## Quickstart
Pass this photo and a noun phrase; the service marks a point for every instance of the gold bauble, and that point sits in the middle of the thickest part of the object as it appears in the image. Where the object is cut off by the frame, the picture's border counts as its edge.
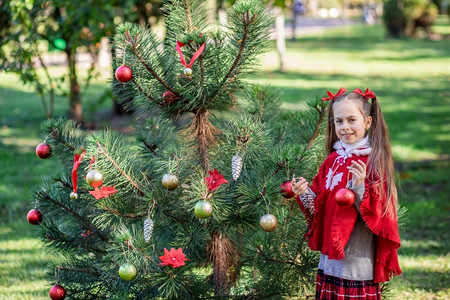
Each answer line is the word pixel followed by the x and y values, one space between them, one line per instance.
pixel 94 178
pixel 268 222
pixel 73 195
pixel 187 72
pixel 170 181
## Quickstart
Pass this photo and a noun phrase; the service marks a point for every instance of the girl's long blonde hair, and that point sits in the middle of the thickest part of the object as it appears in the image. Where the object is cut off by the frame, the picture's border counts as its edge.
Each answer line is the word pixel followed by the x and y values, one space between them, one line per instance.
pixel 380 163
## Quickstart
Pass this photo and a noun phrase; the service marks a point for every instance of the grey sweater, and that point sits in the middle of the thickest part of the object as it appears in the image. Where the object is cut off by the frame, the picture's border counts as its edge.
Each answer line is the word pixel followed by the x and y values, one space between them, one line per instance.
pixel 359 251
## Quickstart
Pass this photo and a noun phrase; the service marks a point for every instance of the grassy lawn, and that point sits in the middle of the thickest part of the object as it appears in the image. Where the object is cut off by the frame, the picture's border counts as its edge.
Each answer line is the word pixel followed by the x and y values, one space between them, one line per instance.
pixel 410 78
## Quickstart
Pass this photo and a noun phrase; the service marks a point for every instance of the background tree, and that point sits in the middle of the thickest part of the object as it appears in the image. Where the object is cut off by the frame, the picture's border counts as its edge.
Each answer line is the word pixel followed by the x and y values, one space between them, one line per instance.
pixel 201 189
pixel 20 51
pixel 404 17
pixel 67 26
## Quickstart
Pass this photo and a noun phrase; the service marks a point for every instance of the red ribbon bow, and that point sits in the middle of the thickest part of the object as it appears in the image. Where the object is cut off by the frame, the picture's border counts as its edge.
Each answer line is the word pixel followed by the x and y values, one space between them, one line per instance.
pixel 194 57
pixel 76 164
pixel 367 94
pixel 334 96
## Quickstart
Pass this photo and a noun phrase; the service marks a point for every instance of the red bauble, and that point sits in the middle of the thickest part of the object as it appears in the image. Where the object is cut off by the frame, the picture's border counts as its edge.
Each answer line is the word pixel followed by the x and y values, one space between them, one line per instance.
pixel 43 150
pixel 124 73
pixel 345 197
pixel 35 217
pixel 286 189
pixel 169 97
pixel 57 292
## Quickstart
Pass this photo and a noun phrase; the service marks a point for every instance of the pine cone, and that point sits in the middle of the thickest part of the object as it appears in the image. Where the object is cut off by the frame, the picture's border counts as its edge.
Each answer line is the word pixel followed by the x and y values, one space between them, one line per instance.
pixel 148 229
pixel 236 166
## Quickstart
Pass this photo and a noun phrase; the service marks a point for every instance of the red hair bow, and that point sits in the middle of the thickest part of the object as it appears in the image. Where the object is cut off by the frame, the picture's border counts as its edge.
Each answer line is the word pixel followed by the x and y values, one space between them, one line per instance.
pixel 367 94
pixel 334 96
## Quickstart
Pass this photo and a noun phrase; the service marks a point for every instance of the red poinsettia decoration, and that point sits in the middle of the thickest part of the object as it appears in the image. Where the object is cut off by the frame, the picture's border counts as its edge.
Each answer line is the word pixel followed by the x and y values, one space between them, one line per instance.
pixel 215 180
pixel 104 192
pixel 174 258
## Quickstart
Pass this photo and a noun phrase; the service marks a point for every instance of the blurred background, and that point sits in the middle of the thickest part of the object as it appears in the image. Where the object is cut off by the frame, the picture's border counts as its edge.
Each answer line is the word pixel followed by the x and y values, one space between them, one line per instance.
pixel 56 61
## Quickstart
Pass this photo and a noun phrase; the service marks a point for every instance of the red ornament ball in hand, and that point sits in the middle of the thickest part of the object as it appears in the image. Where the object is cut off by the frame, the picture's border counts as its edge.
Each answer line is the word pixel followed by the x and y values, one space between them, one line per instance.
pixel 43 150
pixel 345 197
pixel 286 189
pixel 35 217
pixel 124 73
pixel 57 292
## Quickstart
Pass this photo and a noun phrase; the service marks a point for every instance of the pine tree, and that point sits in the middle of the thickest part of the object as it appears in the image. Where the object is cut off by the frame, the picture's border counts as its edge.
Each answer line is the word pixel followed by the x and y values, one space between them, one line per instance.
pixel 160 214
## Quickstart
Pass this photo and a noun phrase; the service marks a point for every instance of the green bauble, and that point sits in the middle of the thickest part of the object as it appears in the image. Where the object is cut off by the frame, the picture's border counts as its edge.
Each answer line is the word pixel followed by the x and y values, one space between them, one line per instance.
pixel 127 271
pixel 203 209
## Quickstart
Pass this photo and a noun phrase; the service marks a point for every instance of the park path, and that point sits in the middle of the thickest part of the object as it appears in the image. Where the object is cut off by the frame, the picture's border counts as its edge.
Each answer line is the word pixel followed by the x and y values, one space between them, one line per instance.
pixel 306 24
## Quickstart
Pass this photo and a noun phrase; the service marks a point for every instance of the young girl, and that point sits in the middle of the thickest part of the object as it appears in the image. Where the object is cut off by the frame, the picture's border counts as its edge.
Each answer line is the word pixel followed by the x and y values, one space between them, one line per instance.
pixel 358 243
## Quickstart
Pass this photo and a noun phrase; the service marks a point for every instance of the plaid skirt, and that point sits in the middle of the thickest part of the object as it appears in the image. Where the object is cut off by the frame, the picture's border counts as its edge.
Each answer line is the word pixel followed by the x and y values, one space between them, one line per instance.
pixel 334 288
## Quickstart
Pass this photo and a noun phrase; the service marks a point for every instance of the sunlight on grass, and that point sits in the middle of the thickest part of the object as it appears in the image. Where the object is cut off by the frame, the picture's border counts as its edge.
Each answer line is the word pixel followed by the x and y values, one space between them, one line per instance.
pixel 424 277
pixel 23 261
pixel 407 152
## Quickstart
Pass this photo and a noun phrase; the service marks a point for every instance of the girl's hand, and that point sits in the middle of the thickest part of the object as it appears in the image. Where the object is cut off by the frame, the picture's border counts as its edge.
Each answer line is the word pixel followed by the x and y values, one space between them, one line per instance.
pixel 358 170
pixel 299 187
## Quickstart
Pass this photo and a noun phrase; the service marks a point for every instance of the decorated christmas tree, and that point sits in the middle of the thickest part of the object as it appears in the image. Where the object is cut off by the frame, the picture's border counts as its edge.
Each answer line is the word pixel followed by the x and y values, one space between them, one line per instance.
pixel 198 203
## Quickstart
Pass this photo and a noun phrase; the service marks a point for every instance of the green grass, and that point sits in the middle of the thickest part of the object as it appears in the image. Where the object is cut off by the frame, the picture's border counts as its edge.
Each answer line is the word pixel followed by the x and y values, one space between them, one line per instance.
pixel 410 78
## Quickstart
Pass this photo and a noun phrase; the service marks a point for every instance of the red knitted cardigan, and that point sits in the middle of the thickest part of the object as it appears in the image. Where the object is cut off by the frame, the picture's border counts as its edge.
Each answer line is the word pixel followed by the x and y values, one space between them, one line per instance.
pixel 331 225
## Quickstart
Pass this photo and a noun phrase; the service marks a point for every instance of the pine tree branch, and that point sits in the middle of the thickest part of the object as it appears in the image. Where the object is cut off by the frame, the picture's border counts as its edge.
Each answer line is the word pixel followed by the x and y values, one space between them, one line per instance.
pixel 283 231
pixel 146 94
pixel 175 217
pixel 275 260
pixel 92 249
pixel 202 76
pixel 151 148
pixel 132 42
pixel 187 9
pixel 78 271
pixel 280 166
pixel 55 134
pixel 130 245
pixel 130 216
pixel 314 136
pixel 238 57
pixel 102 150
pixel 65 184
pixel 73 213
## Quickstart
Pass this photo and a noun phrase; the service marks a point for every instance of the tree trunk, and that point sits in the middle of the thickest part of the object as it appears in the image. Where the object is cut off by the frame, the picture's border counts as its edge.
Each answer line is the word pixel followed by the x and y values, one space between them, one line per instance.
pixel 281 37
pixel 222 255
pixel 294 24
pixel 76 111
pixel 203 132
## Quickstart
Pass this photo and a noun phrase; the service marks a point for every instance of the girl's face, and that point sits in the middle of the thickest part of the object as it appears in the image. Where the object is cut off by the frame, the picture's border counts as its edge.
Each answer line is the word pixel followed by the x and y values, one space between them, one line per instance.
pixel 349 122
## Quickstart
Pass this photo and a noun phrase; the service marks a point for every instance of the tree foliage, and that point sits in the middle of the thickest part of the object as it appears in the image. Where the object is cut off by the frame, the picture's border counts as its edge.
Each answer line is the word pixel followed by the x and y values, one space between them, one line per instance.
pixel 405 17
pixel 32 28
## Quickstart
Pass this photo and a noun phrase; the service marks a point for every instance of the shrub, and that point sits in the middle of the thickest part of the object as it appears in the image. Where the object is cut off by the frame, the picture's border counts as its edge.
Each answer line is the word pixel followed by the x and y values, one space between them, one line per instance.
pixel 405 17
